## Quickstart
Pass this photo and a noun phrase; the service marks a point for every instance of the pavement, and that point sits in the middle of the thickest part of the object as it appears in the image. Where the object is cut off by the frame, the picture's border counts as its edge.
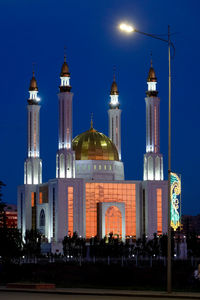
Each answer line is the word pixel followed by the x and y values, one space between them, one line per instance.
pixel 88 293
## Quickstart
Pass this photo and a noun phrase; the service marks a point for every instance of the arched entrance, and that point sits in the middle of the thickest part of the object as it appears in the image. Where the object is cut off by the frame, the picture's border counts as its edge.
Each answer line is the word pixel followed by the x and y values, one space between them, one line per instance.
pixel 113 221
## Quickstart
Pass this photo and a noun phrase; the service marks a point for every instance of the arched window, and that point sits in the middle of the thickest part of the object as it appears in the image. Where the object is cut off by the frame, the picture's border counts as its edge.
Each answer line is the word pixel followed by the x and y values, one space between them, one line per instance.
pixel 113 221
pixel 150 168
pixel 29 173
pixel 62 166
pixel 42 218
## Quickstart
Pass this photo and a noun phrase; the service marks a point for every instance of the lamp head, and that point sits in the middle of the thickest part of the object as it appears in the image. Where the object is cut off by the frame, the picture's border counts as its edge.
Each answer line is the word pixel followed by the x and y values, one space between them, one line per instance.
pixel 126 28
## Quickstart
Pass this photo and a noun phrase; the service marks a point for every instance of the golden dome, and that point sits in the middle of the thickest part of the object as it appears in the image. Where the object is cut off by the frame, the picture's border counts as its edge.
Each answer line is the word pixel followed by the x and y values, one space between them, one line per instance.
pixel 114 89
pixel 65 69
pixel 152 75
pixel 33 84
pixel 93 145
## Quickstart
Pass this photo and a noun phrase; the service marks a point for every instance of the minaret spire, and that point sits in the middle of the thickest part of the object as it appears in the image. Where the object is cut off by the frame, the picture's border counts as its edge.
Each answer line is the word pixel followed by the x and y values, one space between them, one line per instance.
pixel 65 76
pixel 65 54
pixel 91 122
pixel 33 164
pixel 153 160
pixel 114 114
pixel 65 159
pixel 114 70
pixel 151 81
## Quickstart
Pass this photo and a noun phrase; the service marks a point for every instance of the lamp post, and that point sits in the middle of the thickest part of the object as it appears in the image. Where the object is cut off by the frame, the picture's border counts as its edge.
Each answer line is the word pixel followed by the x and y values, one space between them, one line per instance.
pixel 130 29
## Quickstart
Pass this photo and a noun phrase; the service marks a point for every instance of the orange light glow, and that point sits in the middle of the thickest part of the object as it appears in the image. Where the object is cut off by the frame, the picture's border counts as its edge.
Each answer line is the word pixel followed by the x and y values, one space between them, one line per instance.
pixel 40 197
pixel 159 211
pixel 70 210
pixel 113 221
pixel 32 199
pixel 110 192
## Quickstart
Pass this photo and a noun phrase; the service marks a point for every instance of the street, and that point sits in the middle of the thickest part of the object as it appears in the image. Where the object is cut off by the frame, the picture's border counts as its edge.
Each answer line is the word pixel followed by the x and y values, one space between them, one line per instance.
pixel 28 296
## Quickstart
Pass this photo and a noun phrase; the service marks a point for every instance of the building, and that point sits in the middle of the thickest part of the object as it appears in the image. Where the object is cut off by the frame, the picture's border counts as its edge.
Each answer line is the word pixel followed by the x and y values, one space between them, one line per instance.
pixel 90 194
pixel 11 215
pixel 191 224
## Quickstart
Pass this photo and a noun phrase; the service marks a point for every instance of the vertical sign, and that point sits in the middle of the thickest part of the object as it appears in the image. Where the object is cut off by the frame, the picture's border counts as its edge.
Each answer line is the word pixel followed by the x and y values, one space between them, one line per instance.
pixel 175 200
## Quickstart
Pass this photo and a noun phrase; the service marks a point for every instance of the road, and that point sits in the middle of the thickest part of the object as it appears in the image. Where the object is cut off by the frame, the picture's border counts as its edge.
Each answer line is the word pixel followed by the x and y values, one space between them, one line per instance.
pixel 29 296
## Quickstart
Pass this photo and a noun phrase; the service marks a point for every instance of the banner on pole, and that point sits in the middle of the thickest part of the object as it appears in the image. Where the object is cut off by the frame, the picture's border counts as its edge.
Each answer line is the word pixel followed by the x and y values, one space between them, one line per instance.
pixel 175 200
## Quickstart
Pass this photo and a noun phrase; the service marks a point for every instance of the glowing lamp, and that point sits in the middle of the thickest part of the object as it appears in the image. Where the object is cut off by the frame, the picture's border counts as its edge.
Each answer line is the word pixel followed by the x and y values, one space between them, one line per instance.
pixel 126 28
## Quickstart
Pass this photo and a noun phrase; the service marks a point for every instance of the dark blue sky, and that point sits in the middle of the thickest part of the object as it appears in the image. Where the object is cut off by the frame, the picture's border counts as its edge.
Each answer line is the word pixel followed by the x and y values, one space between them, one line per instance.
pixel 37 31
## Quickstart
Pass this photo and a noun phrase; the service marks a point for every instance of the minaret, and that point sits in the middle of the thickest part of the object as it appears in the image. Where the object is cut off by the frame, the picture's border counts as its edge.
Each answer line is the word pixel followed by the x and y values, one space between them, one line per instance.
pixel 33 164
pixel 65 158
pixel 114 114
pixel 153 160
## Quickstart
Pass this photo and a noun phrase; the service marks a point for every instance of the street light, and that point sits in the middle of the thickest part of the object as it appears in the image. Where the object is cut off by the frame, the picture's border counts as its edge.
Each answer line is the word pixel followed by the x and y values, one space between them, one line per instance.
pixel 127 28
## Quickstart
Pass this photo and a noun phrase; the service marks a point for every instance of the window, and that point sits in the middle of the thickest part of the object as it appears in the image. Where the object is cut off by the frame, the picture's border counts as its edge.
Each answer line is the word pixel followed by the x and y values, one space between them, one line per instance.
pixel 159 210
pixel 21 212
pixel 113 221
pixel 70 210
pixel 110 192
pixel 53 212
pixel 42 218
pixel 62 166
pixel 33 204
pixel 40 197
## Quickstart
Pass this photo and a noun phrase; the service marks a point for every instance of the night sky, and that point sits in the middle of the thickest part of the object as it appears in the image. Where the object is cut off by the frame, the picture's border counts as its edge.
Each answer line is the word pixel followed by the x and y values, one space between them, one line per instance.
pixel 37 31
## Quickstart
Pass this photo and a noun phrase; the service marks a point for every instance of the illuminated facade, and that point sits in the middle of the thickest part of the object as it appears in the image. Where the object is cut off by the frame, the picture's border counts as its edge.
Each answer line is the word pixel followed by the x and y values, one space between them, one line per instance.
pixel 90 194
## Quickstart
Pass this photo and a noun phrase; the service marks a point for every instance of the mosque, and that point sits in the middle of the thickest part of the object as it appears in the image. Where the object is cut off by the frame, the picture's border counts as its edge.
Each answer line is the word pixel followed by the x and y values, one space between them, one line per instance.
pixel 90 194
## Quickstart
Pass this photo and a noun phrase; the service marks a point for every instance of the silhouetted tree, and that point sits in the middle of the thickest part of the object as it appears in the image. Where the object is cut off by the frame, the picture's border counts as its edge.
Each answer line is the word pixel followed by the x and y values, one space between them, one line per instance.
pixel 163 244
pixel 10 244
pixel 193 245
pixel 153 246
pixel 74 246
pixel 32 245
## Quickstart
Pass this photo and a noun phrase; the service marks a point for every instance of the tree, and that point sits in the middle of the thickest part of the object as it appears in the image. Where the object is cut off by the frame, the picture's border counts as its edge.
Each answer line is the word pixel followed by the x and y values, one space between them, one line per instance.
pixel 163 244
pixel 32 243
pixel 193 244
pixel 74 246
pixel 10 244
pixel 154 246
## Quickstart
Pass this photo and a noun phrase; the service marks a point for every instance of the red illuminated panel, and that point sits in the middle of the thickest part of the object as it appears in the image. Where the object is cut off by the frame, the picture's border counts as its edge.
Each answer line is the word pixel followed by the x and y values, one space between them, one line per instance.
pixel 110 192
pixel 70 210
pixel 159 210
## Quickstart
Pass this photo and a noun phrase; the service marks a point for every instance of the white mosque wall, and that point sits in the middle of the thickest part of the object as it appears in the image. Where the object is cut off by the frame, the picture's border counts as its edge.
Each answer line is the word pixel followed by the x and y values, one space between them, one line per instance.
pixel 24 206
pixel 100 169
pixel 56 210
pixel 60 197
pixel 150 208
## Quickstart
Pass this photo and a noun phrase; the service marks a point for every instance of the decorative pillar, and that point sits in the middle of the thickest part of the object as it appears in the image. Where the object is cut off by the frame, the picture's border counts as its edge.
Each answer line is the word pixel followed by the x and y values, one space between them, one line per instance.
pixel 153 160
pixel 33 163
pixel 114 114
pixel 65 158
